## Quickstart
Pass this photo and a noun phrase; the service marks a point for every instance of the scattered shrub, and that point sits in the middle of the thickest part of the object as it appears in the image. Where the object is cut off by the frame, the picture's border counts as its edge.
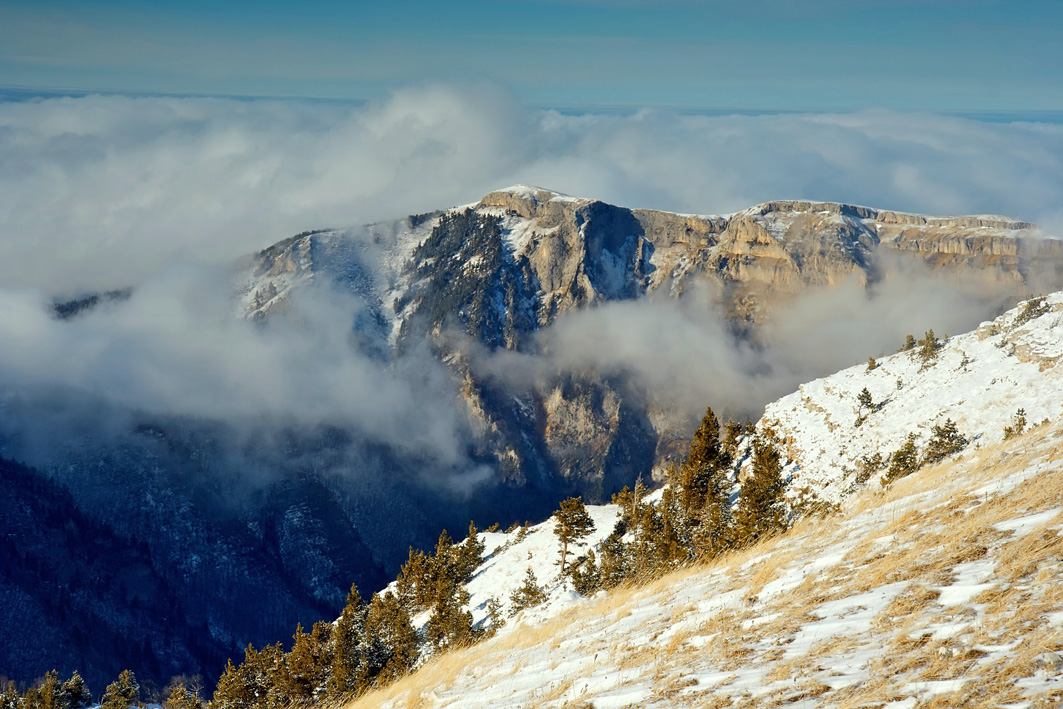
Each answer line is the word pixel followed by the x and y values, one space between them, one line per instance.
pixel 1018 425
pixel 902 462
pixel 945 441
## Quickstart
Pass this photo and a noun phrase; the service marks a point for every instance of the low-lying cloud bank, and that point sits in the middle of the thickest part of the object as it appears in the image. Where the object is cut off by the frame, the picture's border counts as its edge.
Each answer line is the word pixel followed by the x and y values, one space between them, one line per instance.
pixel 98 192
pixel 163 194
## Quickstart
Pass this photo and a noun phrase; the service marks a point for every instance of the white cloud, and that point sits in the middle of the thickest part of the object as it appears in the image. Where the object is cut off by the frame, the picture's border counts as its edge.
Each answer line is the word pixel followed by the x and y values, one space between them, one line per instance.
pixel 97 192
pixel 104 192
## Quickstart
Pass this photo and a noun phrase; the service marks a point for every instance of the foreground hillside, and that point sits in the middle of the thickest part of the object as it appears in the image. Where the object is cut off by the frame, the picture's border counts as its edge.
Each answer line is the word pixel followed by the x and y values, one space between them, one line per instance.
pixel 939 587
pixel 944 590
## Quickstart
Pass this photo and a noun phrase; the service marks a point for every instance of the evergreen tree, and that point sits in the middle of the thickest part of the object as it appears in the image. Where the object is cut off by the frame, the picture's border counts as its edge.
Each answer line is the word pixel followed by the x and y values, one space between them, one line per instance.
pixel 699 473
pixel 945 441
pixel 494 616
pixel 181 698
pixel 32 699
pixel 869 465
pixel 615 566
pixel 732 431
pixel 123 693
pixel 871 364
pixel 929 347
pixel 670 546
pixel 9 696
pixel 253 683
pixel 389 639
pixel 347 652
pixel 586 577
pixel 470 553
pixel 305 670
pixel 527 595
pixel 450 625
pixel 571 523
pixel 415 580
pixel 902 462
pixel 1018 425
pixel 864 399
pixel 231 691
pixel 701 520
pixel 75 693
pixel 49 691
pixel 761 503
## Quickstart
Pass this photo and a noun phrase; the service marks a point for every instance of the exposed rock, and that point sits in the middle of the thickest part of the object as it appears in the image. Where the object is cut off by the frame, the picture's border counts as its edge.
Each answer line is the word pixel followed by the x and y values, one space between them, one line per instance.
pixel 513 263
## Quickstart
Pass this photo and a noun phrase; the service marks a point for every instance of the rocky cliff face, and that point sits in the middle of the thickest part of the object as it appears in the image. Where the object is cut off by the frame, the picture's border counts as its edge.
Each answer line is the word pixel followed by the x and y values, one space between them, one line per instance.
pixel 497 272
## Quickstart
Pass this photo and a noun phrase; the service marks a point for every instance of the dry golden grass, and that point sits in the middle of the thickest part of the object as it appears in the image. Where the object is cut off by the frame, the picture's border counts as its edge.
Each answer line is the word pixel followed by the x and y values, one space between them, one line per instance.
pixel 919 532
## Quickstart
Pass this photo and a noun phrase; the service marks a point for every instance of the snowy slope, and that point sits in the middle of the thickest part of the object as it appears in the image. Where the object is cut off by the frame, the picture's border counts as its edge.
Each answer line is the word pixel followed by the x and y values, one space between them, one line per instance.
pixel 979 380
pixel 945 590
pixel 946 587
pixel 508 556
pixel 1010 365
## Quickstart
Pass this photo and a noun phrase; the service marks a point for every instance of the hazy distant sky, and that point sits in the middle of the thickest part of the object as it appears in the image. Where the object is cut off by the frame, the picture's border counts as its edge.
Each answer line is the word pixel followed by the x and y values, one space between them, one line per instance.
pixel 935 55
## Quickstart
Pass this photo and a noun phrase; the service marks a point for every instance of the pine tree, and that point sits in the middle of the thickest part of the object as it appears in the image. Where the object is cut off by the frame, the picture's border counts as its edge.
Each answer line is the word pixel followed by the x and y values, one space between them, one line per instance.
pixel 75 693
pixel 871 364
pixel 389 639
pixel 470 553
pixel 732 431
pixel 586 577
pixel 670 547
pixel 253 683
pixel 233 690
pixel 864 399
pixel 902 462
pixel 1018 425
pixel 450 625
pixel 9 696
pixel 305 669
pixel 945 441
pixel 697 475
pixel 928 348
pixel 415 580
pixel 347 652
pixel 571 523
pixel 181 698
pixel 527 595
pixel 761 503
pixel 123 693
pixel 48 691
pixel 32 699
pixel 615 566
pixel 703 498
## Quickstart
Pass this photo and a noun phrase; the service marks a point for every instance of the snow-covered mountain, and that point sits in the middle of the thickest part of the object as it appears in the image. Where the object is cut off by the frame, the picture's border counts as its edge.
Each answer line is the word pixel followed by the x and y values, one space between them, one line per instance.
pixel 497 274
pixel 944 586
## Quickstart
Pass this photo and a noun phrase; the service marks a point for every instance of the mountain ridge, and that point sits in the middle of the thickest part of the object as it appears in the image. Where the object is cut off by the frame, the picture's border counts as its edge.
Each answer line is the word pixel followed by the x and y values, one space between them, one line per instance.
pixel 954 568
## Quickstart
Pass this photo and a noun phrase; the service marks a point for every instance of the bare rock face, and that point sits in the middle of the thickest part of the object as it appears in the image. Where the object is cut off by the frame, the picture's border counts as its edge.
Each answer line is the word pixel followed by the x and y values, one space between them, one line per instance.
pixel 497 272
pixel 583 251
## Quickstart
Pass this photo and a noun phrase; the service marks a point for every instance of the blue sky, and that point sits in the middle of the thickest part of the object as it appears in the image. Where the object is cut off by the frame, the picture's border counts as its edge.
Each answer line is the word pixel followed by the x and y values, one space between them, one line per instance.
pixel 759 55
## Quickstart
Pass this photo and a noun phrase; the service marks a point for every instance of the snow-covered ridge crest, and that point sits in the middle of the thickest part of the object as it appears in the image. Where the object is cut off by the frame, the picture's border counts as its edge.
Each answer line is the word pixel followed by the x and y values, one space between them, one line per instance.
pixel 979 380
pixel 831 594
pixel 945 590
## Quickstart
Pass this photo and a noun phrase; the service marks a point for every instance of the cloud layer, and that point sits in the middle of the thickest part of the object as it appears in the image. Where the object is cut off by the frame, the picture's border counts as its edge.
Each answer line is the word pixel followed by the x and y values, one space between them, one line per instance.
pixel 98 192
pixel 163 194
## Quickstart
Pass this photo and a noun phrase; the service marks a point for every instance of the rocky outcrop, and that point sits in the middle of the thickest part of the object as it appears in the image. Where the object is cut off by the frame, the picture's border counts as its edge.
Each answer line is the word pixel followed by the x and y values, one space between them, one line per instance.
pixel 772 250
pixel 510 265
